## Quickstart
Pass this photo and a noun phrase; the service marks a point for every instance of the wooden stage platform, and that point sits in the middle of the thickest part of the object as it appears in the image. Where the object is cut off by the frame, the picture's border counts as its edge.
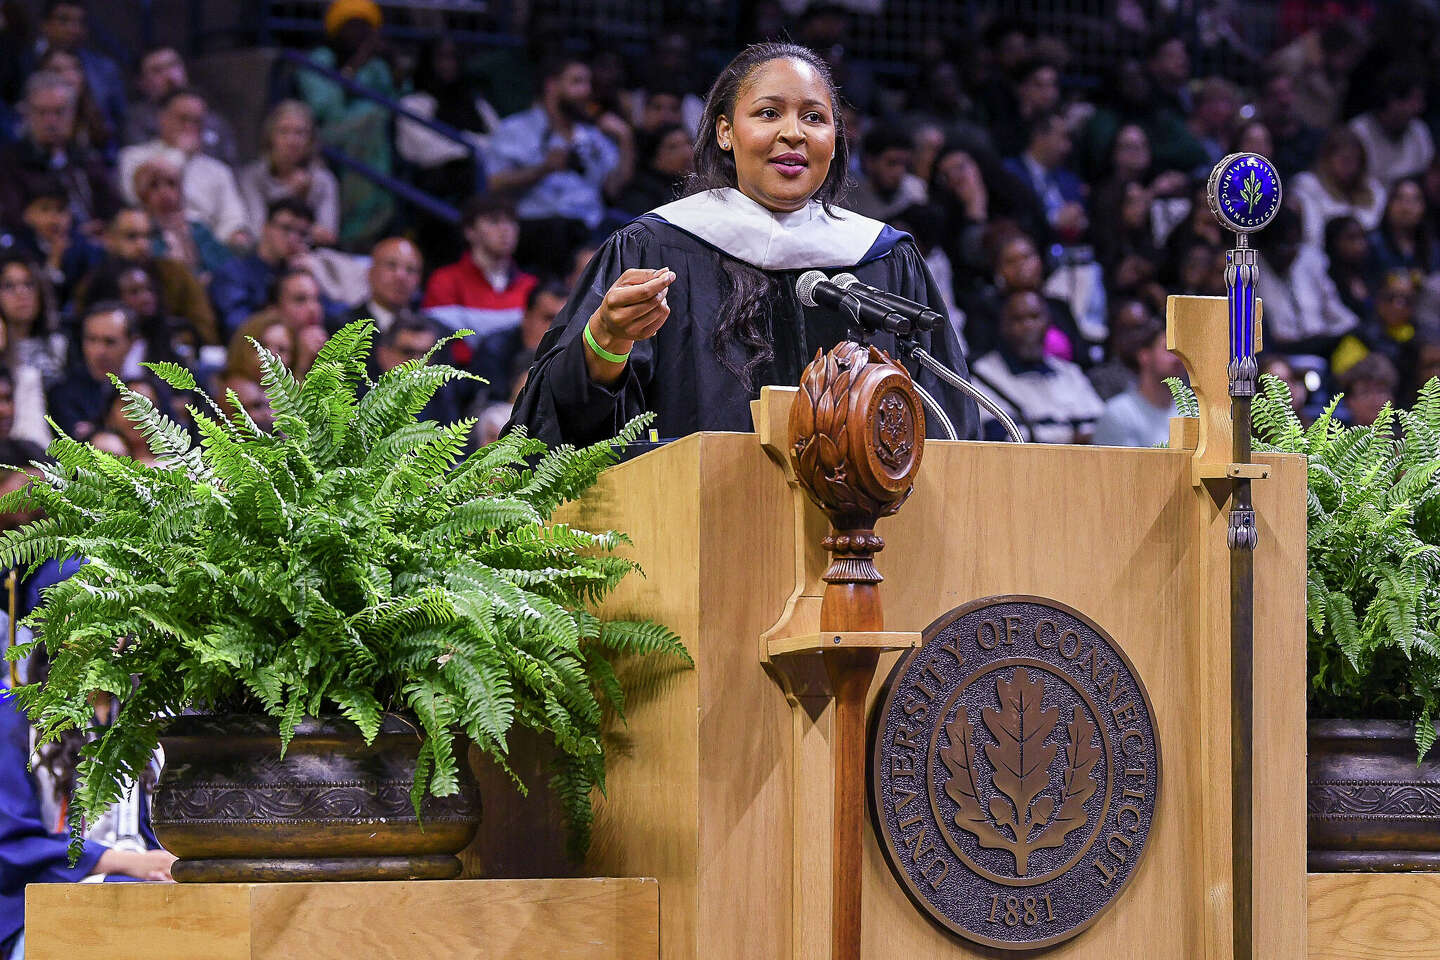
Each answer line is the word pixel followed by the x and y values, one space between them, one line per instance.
pixel 1351 917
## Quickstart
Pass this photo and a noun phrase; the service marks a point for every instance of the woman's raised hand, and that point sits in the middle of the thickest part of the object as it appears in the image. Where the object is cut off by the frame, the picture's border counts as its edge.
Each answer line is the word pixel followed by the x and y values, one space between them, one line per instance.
pixel 634 308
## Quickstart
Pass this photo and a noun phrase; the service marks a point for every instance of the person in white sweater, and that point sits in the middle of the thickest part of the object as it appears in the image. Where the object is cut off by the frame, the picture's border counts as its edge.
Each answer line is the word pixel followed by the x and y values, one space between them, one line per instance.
pixel 212 196
pixel 22 401
pixel 1338 185
pixel 1051 396
pixel 1397 141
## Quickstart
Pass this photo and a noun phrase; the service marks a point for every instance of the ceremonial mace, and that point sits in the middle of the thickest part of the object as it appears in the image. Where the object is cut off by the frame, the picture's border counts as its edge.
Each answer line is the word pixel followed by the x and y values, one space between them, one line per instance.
pixel 1244 194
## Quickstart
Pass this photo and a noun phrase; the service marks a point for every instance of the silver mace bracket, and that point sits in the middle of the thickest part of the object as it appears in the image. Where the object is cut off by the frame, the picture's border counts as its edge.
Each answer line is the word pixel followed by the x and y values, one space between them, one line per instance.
pixel 1244 194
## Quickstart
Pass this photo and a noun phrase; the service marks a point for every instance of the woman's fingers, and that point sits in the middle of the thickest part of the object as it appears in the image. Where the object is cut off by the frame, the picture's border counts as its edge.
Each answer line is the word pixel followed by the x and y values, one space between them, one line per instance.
pixel 624 294
pixel 632 328
pixel 652 325
pixel 627 316
pixel 634 275
pixel 635 306
pixel 644 325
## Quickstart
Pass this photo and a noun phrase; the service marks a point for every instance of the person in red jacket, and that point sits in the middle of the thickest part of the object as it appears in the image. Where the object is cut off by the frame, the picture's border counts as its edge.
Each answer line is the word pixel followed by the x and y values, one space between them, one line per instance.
pixel 484 290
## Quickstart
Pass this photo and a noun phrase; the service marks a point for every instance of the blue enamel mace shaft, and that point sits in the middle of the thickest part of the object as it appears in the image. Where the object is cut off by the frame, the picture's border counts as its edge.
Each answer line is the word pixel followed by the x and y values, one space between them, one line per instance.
pixel 1240 277
pixel 1244 194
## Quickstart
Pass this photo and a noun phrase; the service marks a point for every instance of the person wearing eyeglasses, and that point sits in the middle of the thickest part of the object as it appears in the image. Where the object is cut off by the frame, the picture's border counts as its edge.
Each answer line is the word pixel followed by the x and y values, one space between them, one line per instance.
pixel 241 288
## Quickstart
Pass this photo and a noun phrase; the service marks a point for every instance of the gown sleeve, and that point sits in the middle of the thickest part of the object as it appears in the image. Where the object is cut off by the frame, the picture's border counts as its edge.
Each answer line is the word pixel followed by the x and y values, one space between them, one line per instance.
pixel 914 282
pixel 560 403
pixel 29 851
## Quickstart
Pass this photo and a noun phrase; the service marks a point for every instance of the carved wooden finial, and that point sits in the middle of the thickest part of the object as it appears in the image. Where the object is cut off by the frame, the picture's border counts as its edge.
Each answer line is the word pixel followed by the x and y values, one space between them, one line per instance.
pixel 857 432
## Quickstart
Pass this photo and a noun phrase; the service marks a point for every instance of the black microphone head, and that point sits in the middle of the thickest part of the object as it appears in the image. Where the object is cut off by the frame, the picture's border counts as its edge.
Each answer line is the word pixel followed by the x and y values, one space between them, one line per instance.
pixel 845 280
pixel 805 286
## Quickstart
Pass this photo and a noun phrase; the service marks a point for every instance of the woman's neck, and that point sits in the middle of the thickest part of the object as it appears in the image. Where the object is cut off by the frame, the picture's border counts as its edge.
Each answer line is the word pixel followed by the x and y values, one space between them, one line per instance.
pixel 18 328
pixel 1345 191
pixel 167 219
pixel 771 205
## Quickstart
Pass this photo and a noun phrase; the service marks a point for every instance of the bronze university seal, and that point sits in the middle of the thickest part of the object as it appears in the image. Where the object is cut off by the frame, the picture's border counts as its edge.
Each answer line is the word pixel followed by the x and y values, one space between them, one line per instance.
pixel 1014 769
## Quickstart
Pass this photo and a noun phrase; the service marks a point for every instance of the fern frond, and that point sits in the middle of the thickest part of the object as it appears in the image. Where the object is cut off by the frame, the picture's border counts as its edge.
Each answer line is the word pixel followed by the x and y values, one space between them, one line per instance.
pixel 1186 403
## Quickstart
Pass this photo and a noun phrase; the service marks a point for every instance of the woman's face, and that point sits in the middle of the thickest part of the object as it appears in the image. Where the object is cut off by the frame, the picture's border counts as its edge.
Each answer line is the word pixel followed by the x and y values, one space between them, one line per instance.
pixel 1020 266
pixel 276 338
pixel 1344 163
pixel 299 302
pixel 1298 394
pixel 1132 151
pixel 19 295
pixel 158 187
pixel 447 63
pixel 1395 303
pixel 290 140
pixel 1255 138
pixel 1407 207
pixel 1202 271
pixel 138 293
pixel 1039 92
pixel 782 135
pixel 959 172
pixel 1351 245
pixel 7 405
pixel 928 140
pixel 675 156
pixel 68 66
pixel 1135 208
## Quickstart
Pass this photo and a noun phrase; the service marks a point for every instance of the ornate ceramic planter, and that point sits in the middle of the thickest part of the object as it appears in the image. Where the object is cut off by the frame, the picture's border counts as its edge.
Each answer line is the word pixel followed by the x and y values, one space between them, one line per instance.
pixel 1370 807
pixel 232 809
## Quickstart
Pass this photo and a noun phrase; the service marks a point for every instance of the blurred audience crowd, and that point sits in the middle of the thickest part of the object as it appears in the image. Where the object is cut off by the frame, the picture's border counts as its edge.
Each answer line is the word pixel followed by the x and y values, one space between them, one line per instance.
pixel 1056 209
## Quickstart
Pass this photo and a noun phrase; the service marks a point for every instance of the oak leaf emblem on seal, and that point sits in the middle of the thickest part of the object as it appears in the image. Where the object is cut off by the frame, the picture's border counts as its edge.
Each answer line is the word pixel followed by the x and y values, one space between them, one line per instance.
pixel 1022 815
pixel 895 439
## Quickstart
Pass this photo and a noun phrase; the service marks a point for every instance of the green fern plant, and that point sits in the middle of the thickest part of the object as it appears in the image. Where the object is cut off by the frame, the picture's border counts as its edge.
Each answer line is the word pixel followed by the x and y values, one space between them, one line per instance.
pixel 350 561
pixel 1373 554
pixel 1373 548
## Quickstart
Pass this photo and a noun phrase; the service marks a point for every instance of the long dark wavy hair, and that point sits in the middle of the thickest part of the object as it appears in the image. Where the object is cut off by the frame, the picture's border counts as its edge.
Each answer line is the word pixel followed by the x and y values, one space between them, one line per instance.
pixel 746 312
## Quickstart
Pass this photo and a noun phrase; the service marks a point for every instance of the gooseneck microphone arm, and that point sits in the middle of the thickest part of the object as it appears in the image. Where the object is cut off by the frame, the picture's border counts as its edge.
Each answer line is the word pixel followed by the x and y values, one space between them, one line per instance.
pixel 901 317
pixel 964 386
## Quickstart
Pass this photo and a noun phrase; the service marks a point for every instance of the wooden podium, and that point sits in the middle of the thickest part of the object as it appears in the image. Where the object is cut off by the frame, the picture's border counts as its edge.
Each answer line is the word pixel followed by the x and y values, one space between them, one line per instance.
pixel 720 781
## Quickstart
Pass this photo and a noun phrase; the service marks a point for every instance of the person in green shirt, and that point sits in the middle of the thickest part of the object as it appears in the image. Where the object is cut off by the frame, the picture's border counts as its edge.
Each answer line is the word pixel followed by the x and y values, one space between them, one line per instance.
pixel 356 126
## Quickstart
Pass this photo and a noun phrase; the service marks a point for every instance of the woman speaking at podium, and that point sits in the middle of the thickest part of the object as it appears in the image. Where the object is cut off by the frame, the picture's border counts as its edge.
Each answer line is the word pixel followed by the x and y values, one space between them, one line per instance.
pixel 690 309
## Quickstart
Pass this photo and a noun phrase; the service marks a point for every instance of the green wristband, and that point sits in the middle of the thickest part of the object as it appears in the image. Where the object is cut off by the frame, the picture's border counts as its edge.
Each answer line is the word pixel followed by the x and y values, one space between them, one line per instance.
pixel 601 352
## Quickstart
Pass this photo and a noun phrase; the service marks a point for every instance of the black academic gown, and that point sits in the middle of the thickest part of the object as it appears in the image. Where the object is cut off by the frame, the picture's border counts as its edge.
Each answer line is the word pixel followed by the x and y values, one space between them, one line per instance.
pixel 677 373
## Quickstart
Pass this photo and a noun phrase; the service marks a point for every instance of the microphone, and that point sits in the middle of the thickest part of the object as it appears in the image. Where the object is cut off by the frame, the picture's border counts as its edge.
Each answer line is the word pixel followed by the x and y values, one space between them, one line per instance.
pixel 815 290
pixel 921 316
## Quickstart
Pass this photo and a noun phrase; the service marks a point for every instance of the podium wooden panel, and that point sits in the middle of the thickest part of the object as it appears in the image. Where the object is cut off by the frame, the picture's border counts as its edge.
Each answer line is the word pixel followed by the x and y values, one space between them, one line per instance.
pixel 581 919
pixel 720 790
pixel 1374 916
